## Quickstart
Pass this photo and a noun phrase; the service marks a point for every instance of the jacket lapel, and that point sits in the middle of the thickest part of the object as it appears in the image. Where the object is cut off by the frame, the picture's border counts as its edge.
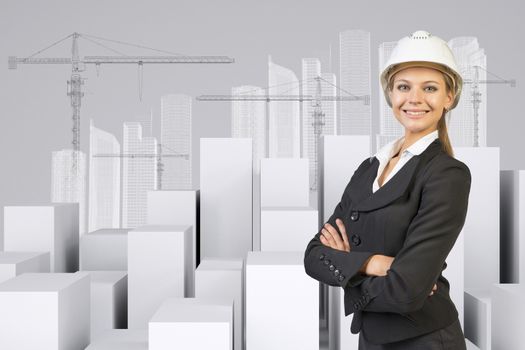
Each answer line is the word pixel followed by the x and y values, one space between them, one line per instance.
pixel 398 184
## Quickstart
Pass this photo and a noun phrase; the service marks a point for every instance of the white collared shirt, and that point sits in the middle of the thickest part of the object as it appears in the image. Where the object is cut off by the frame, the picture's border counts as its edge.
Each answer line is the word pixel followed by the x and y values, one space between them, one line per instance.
pixel 391 149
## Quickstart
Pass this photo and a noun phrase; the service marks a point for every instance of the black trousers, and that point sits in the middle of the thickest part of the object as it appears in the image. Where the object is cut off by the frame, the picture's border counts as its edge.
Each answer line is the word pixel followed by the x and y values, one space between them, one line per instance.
pixel 448 338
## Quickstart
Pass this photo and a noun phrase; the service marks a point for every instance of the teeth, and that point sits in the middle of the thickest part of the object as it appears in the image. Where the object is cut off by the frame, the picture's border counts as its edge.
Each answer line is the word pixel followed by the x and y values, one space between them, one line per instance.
pixel 415 113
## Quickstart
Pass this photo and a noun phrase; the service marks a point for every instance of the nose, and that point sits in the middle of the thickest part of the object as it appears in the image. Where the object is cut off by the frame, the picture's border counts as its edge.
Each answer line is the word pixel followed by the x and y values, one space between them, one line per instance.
pixel 415 96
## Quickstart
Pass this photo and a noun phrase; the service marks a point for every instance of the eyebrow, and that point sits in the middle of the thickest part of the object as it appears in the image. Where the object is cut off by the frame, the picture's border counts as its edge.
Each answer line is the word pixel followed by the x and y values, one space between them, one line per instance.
pixel 428 81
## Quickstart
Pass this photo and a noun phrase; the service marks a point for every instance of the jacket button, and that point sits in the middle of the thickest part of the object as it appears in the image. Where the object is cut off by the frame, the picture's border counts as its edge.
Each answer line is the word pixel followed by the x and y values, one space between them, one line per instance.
pixel 336 272
pixel 354 216
pixel 321 257
pixel 331 267
pixel 326 262
pixel 356 240
pixel 356 306
pixel 341 278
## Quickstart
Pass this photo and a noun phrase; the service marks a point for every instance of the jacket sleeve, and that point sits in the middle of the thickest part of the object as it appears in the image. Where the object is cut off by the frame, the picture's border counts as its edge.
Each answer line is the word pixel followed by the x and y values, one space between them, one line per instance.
pixel 430 237
pixel 332 266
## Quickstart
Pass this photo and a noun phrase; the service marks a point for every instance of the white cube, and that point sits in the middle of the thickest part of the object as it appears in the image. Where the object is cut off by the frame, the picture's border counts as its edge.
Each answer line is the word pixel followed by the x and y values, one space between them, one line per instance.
pixel 177 207
pixel 478 317
pixel 49 228
pixel 279 294
pixel 287 229
pixel 512 226
pixel 482 224
pixel 508 314
pixel 45 311
pixel 225 197
pixel 104 250
pixel 221 277
pixel 158 267
pixel 13 264
pixel 120 339
pixel 471 346
pixel 335 174
pixel 455 274
pixel 192 323
pixel 109 301
pixel 285 182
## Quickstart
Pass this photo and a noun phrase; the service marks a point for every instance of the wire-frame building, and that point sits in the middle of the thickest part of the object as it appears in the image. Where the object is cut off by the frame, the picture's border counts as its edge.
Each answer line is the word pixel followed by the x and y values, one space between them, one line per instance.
pixel 176 138
pixel 104 180
pixel 355 118
pixel 139 174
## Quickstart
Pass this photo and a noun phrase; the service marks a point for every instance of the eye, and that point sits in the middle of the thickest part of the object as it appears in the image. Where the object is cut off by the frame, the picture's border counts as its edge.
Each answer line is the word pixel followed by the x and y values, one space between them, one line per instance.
pixel 402 87
pixel 431 88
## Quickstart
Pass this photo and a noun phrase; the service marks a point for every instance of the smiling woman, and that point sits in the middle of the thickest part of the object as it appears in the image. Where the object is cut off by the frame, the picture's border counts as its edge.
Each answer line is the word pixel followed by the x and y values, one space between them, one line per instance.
pixel 397 209
pixel 419 96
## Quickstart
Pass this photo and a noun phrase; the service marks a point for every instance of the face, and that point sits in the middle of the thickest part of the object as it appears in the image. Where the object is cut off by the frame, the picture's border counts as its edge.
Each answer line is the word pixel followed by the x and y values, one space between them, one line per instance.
pixel 419 95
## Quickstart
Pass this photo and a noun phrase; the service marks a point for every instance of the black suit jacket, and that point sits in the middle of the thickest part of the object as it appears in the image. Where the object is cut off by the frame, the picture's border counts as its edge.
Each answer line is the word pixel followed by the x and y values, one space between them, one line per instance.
pixel 416 217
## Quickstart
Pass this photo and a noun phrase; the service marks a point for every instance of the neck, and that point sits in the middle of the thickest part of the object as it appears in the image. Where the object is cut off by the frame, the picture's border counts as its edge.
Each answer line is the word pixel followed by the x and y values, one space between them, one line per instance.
pixel 411 138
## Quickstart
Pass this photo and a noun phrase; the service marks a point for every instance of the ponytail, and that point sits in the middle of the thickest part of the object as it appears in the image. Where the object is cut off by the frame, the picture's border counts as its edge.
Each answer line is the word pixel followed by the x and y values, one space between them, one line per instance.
pixel 443 135
pixel 442 124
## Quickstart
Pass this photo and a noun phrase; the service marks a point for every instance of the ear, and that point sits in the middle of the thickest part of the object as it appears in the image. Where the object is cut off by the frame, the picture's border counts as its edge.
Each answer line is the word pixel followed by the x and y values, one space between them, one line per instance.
pixel 450 99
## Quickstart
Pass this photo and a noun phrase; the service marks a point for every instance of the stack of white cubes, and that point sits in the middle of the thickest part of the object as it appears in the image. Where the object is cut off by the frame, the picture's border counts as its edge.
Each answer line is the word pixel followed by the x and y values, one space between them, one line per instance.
pixel 481 241
pixel 287 220
pixel 277 290
pixel 147 279
pixel 159 267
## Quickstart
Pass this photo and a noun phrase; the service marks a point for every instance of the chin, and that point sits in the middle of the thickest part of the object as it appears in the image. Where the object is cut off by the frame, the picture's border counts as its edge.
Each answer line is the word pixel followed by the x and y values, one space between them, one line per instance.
pixel 416 129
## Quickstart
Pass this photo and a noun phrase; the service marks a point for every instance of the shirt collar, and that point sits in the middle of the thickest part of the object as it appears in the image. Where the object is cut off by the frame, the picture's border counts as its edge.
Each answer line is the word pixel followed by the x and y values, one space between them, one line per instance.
pixel 420 145
pixel 390 149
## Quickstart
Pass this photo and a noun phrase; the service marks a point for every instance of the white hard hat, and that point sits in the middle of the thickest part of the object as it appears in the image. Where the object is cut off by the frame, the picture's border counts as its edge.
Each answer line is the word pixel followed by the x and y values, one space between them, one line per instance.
pixel 422 49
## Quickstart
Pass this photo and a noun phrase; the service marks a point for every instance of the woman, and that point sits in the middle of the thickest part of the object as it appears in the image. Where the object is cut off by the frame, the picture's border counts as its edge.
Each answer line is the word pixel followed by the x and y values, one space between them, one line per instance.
pixel 401 213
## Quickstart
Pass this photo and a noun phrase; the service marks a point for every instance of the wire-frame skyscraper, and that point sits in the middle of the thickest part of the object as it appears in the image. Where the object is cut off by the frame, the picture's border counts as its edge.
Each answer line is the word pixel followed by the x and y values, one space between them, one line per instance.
pixel 389 128
pixel 104 180
pixel 68 183
pixel 355 117
pixel 176 132
pixel 139 174
pixel 284 137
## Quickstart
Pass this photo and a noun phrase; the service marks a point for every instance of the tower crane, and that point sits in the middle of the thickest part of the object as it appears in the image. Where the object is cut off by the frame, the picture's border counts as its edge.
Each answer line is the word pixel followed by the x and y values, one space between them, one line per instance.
pixel 476 95
pixel 280 98
pixel 78 65
pixel 158 156
pixel 317 114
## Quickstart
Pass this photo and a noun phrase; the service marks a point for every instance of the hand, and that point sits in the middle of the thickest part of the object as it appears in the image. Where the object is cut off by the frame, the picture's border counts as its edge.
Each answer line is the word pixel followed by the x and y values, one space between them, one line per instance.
pixel 377 265
pixel 433 289
pixel 331 238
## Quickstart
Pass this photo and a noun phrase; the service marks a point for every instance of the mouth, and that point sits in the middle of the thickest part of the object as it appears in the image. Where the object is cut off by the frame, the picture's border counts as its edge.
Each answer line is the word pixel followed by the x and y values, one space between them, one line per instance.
pixel 415 114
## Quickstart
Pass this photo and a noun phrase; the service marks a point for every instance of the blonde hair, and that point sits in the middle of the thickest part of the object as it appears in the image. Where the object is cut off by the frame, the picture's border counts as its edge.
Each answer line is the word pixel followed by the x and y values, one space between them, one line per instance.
pixel 442 123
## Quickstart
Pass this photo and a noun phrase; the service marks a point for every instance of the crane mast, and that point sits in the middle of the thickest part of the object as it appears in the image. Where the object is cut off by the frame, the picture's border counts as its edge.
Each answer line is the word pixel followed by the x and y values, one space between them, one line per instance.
pixel 476 97
pixel 78 65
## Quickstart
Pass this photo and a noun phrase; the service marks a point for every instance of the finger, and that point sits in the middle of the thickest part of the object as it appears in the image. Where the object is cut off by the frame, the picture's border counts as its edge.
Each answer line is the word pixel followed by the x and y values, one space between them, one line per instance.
pixel 336 236
pixel 328 237
pixel 342 229
pixel 324 241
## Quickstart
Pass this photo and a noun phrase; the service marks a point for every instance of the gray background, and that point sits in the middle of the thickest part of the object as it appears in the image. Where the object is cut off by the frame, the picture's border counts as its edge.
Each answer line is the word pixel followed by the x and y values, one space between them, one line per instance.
pixel 35 116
